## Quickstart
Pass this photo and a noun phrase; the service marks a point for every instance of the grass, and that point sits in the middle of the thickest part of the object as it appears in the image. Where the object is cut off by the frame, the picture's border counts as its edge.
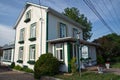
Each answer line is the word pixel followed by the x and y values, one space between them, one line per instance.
pixel 90 76
pixel 115 65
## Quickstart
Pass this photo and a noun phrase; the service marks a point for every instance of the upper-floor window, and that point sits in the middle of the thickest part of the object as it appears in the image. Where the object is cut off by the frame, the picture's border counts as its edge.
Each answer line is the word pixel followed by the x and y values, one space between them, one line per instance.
pixel 33 30
pixel 32 52
pixel 22 31
pixel 75 31
pixel 63 30
pixel 28 16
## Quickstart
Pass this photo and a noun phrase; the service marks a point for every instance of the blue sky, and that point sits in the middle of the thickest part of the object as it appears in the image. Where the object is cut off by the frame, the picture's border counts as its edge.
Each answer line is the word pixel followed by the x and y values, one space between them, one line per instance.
pixel 10 10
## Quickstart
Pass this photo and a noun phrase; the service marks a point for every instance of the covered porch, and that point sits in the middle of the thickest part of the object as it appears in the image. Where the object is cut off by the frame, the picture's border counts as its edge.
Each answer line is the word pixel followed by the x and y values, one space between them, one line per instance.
pixel 64 49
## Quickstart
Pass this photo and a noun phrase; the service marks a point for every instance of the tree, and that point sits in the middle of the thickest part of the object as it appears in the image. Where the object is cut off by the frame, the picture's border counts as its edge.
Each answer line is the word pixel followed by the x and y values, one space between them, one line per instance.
pixel 74 14
pixel 110 45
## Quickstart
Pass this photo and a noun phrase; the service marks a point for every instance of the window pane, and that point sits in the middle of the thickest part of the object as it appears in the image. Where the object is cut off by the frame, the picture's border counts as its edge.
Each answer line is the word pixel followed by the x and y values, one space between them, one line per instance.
pixel 62 30
pixel 61 55
pixel 32 52
pixel 28 14
pixel 22 34
pixel 75 31
pixel 33 30
pixel 7 55
pixel 21 53
pixel 59 51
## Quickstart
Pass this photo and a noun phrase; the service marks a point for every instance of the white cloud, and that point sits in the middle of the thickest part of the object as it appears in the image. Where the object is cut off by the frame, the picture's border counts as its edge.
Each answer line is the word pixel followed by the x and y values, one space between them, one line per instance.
pixel 7 34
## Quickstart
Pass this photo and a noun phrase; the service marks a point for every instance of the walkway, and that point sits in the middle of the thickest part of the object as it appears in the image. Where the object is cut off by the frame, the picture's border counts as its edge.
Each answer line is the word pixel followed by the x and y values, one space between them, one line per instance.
pixel 7 74
pixel 111 70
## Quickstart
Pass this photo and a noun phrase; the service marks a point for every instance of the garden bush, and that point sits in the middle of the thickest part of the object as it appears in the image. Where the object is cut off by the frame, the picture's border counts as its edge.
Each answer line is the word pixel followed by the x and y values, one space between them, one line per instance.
pixel 18 67
pixel 24 68
pixel 12 65
pixel 46 65
pixel 100 59
pixel 73 65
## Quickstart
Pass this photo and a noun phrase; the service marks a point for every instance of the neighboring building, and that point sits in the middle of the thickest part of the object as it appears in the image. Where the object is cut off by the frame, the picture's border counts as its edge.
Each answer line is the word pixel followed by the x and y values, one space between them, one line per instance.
pixel 8 54
pixel 1 53
pixel 41 29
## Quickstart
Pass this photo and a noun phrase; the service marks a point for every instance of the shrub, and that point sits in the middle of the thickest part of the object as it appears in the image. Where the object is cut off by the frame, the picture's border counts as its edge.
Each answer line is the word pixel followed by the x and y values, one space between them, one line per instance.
pixel 73 65
pixel 46 65
pixel 26 69
pixel 18 67
pixel 12 65
pixel 100 59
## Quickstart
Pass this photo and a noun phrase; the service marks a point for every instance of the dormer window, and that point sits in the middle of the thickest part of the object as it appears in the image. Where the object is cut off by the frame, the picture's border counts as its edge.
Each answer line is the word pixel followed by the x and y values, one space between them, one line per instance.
pixel 28 16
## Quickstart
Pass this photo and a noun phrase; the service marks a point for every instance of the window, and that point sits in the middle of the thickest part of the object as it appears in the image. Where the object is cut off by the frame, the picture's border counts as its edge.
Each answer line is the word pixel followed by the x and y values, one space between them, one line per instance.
pixel 7 55
pixel 20 56
pixel 32 53
pixel 22 31
pixel 28 16
pixel 75 31
pixel 63 30
pixel 59 52
pixel 33 30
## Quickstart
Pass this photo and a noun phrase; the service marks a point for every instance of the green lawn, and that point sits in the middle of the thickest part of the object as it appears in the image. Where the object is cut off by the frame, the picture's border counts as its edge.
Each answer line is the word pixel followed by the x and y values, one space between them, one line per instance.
pixel 115 65
pixel 90 76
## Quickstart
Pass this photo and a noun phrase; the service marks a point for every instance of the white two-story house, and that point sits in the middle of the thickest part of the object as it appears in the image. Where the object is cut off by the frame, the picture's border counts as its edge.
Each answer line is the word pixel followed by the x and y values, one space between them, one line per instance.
pixel 40 29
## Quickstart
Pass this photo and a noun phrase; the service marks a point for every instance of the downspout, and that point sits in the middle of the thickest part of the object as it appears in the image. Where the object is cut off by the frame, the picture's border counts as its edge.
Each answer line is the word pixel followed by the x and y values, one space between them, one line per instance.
pixel 47 32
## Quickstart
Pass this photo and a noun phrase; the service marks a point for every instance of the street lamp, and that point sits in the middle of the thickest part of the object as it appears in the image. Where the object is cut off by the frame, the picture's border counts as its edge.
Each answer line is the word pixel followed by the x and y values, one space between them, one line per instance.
pixel 78 45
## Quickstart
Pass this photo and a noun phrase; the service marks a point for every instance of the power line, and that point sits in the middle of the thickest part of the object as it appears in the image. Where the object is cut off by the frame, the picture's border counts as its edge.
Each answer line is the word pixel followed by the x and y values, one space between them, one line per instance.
pixel 105 15
pixel 110 12
pixel 91 6
pixel 114 10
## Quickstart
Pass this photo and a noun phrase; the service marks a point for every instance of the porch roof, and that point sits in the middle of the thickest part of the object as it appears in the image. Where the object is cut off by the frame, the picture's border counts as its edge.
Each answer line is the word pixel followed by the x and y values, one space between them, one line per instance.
pixel 71 39
pixel 8 46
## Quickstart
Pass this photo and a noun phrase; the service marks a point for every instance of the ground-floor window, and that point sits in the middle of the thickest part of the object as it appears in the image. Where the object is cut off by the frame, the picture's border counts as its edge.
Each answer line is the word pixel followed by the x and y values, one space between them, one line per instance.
pixel 20 56
pixel 7 55
pixel 32 52
pixel 59 53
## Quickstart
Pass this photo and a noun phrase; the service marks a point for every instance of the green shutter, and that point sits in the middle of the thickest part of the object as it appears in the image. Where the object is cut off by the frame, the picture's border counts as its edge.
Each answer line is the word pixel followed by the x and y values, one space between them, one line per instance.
pixel 69 56
pixel 47 33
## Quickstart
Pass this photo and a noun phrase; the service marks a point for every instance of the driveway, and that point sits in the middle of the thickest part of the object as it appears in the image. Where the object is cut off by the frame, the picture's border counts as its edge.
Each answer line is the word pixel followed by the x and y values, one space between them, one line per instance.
pixel 7 74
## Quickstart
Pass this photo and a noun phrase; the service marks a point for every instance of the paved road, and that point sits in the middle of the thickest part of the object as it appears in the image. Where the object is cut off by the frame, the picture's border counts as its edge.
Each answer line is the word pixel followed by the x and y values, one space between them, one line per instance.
pixel 7 74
